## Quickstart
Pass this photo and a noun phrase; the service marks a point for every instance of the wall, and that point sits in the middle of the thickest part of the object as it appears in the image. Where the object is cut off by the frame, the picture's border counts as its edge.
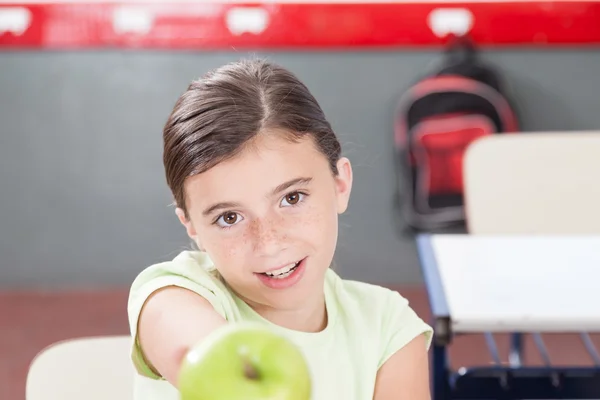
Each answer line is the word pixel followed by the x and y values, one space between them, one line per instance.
pixel 82 191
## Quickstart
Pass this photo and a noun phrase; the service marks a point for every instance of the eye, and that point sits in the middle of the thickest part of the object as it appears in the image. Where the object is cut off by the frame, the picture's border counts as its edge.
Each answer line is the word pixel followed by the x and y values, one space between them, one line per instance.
pixel 228 219
pixel 292 198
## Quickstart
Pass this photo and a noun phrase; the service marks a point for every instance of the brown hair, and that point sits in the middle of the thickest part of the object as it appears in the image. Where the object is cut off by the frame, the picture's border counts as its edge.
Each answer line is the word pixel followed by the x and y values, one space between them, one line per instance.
pixel 221 112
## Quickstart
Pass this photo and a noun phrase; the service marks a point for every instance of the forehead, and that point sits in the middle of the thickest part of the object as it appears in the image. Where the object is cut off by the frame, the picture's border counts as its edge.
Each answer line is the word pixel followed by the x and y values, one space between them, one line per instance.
pixel 269 160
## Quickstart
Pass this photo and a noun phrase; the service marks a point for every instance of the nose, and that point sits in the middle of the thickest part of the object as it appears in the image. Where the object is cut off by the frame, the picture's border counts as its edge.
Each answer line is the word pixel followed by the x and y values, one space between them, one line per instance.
pixel 268 236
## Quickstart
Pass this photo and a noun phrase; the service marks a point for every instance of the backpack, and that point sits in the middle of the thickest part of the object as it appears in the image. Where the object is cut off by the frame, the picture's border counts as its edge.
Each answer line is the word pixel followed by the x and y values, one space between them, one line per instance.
pixel 437 118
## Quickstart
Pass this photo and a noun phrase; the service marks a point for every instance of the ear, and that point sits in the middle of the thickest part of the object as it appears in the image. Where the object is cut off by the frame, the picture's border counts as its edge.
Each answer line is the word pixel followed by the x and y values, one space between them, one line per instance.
pixel 343 184
pixel 189 227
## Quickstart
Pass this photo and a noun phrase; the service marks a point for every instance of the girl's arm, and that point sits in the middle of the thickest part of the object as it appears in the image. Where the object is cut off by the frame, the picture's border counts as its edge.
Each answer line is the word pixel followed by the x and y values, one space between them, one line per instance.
pixel 173 320
pixel 405 375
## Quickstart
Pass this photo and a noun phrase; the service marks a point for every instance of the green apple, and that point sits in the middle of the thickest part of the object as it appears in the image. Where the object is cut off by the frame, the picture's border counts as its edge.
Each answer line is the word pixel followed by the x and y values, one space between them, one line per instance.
pixel 244 361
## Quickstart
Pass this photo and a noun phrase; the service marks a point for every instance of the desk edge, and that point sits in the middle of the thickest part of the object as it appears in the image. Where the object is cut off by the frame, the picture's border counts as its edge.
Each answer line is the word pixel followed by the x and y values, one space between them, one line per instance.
pixel 434 287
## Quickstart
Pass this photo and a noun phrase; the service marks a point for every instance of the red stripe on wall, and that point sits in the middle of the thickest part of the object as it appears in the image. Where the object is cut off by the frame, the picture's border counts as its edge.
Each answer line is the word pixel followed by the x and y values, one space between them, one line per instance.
pixel 293 26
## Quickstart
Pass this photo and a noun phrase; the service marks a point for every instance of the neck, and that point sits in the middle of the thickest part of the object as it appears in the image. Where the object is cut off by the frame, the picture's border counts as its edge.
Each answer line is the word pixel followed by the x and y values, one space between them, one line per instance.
pixel 311 317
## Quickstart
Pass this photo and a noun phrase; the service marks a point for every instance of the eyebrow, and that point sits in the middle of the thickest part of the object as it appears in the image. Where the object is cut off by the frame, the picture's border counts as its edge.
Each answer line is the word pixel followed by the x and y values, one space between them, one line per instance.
pixel 288 184
pixel 278 189
pixel 219 206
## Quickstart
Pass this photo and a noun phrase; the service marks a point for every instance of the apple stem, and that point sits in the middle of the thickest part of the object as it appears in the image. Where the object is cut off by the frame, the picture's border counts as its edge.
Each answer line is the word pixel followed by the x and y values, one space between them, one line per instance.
pixel 250 371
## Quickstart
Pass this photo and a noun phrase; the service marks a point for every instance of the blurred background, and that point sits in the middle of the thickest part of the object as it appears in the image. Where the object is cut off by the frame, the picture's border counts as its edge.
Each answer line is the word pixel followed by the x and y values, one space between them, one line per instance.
pixel 86 89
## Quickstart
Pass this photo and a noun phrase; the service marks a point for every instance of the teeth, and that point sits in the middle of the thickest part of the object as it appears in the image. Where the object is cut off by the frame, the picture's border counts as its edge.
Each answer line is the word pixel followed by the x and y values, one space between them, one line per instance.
pixel 282 276
pixel 282 272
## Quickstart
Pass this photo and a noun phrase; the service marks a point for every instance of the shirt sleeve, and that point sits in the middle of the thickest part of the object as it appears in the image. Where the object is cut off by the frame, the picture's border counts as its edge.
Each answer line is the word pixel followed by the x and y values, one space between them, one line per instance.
pixel 188 273
pixel 402 325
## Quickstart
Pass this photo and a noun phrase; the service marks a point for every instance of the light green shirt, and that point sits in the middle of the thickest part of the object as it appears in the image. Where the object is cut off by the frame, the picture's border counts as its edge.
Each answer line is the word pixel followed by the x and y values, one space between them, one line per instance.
pixel 366 325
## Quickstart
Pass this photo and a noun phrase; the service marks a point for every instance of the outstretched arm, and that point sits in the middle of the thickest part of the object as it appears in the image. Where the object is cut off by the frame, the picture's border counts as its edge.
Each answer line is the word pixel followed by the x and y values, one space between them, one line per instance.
pixel 172 321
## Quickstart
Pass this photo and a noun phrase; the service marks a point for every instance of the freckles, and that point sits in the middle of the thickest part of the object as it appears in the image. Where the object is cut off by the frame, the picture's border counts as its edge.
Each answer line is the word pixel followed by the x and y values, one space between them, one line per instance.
pixel 226 246
pixel 252 230
pixel 244 239
pixel 314 218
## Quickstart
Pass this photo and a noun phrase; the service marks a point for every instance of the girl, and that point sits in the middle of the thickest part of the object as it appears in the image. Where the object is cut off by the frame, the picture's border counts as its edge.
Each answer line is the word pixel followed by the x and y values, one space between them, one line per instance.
pixel 259 181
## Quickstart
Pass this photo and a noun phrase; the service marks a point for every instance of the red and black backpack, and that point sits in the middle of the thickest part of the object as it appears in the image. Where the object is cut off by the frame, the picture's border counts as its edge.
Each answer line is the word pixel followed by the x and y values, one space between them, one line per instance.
pixel 436 119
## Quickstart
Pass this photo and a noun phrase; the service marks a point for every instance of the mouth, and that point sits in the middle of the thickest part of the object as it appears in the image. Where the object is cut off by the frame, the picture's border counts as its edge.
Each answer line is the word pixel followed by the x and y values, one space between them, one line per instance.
pixel 283 277
pixel 283 272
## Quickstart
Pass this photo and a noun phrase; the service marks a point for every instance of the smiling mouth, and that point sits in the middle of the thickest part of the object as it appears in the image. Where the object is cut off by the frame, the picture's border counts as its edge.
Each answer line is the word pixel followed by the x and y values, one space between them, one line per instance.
pixel 282 272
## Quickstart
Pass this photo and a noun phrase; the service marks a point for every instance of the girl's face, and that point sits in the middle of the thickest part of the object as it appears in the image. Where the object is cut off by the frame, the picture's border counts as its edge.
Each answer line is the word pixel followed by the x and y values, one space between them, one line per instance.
pixel 268 218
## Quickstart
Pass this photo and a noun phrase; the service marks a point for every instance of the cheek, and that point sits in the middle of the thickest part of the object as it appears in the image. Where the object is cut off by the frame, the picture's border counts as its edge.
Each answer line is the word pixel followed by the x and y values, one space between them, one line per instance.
pixel 224 248
pixel 318 224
